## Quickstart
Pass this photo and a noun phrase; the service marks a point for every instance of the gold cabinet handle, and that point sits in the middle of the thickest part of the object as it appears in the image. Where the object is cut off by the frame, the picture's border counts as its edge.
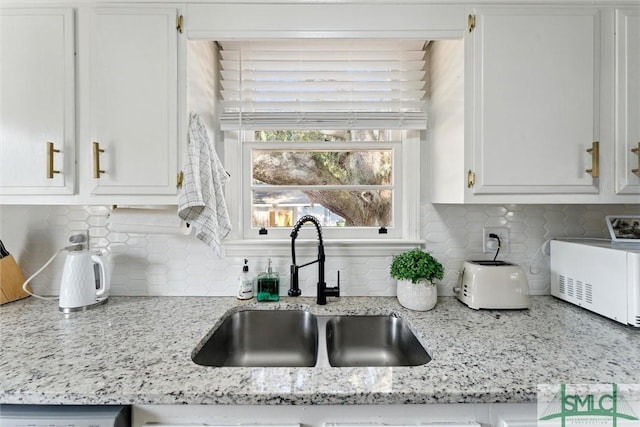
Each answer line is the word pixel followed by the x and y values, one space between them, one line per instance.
pixel 595 160
pixel 637 152
pixel 179 179
pixel 50 169
pixel 471 178
pixel 180 23
pixel 471 23
pixel 96 160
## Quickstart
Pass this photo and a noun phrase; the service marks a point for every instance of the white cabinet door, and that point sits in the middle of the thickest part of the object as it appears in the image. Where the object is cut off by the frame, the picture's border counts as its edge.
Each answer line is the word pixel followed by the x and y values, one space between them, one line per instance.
pixel 133 100
pixel 514 415
pixel 427 415
pixel 37 101
pixel 534 112
pixel 627 101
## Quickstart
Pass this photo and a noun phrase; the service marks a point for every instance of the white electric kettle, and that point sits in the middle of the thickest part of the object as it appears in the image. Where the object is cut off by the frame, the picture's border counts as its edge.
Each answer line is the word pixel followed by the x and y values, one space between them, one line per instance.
pixel 85 281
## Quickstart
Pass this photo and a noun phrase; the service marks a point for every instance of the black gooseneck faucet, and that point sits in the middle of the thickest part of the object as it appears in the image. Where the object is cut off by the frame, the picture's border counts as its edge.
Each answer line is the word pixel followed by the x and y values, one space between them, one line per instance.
pixel 323 290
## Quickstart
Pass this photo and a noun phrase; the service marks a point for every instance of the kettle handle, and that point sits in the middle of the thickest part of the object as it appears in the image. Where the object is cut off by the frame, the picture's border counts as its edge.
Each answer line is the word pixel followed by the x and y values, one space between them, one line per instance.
pixel 104 284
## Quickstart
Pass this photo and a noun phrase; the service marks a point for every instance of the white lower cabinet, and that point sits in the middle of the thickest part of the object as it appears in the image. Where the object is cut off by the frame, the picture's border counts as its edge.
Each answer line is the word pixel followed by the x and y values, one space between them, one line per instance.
pixel 516 422
pixel 432 415
pixel 37 105
pixel 514 415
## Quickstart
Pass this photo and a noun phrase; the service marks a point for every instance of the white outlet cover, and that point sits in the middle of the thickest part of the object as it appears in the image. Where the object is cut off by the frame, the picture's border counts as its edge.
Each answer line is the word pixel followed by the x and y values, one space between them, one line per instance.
pixel 84 242
pixel 489 245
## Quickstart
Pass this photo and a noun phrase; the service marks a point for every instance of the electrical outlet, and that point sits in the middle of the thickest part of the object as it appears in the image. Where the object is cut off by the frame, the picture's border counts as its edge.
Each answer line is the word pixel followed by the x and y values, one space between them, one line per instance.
pixel 79 237
pixel 490 244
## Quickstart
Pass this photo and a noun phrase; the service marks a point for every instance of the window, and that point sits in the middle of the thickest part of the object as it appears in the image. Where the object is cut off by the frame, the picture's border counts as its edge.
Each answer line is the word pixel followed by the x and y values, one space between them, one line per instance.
pixel 325 127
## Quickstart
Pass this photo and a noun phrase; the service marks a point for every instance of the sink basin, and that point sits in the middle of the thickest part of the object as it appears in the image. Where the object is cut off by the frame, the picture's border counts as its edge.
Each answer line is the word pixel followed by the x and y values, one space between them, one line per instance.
pixel 372 341
pixel 295 338
pixel 262 338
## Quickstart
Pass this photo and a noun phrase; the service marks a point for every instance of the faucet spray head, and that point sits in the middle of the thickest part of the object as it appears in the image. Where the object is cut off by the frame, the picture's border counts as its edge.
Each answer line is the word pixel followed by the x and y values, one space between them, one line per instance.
pixel 304 220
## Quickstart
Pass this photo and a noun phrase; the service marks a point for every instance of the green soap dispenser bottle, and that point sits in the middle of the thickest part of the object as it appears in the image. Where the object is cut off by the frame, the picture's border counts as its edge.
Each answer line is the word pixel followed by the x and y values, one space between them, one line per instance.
pixel 268 284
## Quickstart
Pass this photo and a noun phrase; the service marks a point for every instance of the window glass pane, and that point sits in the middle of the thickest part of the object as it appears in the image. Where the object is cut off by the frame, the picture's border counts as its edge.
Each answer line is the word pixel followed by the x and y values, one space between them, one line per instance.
pixel 306 167
pixel 334 208
pixel 321 135
pixel 359 177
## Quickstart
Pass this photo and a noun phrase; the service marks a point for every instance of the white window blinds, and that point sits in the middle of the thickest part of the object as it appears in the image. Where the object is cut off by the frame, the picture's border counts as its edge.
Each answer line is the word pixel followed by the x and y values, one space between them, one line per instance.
pixel 322 84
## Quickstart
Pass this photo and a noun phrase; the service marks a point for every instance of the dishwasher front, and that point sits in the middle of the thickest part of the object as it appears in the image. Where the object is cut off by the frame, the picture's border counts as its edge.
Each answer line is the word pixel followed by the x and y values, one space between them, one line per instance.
pixel 65 415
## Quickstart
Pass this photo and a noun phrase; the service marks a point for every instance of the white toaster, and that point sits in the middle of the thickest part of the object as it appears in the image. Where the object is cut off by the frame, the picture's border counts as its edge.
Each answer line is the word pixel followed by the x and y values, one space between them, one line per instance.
pixel 493 285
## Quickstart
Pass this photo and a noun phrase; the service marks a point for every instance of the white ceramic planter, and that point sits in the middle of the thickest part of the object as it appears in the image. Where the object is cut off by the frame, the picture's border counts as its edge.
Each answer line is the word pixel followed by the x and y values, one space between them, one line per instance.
pixel 421 296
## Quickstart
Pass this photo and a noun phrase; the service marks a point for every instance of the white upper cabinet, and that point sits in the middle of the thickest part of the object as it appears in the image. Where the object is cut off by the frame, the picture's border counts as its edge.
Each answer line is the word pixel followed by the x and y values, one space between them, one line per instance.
pixel 133 142
pixel 628 101
pixel 542 123
pixel 534 100
pixel 37 107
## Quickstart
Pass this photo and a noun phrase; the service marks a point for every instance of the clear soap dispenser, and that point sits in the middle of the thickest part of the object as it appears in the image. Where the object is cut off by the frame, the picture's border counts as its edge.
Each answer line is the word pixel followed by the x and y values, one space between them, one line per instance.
pixel 268 284
pixel 245 283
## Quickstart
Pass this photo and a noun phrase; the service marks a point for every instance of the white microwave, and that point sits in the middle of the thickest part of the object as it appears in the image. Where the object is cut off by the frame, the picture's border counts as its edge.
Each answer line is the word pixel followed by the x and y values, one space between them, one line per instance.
pixel 599 276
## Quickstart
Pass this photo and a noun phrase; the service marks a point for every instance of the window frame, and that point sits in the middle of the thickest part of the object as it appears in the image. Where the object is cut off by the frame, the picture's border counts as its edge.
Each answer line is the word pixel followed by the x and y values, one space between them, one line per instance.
pixel 242 242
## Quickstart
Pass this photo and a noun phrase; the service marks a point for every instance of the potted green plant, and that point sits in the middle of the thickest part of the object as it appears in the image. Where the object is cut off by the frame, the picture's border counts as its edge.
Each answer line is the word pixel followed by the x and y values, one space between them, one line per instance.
pixel 416 271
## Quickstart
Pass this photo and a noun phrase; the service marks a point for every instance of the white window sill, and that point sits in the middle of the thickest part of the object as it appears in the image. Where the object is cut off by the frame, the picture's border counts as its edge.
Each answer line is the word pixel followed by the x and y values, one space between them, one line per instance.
pixel 308 247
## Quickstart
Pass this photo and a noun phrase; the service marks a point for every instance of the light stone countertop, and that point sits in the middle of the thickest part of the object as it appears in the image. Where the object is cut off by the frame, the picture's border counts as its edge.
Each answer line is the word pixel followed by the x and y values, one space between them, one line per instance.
pixel 137 350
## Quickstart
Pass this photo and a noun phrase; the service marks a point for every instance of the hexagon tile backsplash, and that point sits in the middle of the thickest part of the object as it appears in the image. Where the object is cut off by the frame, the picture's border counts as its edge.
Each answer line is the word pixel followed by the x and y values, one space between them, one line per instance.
pixel 154 264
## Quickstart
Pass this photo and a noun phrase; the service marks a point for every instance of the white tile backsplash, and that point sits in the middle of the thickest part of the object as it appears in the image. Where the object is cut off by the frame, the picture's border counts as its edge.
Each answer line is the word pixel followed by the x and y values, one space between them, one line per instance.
pixel 146 264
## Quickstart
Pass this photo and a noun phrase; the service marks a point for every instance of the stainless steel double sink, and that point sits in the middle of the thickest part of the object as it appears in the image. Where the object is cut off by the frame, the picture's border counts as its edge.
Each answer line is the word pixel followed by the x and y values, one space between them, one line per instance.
pixel 296 338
